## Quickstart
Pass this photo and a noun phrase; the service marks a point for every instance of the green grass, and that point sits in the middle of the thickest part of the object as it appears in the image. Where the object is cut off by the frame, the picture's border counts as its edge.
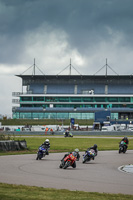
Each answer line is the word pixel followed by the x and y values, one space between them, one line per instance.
pixel 19 192
pixel 69 144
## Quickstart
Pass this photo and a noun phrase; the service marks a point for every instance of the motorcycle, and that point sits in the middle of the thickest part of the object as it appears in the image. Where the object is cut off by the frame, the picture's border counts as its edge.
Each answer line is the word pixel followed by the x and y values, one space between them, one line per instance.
pixel 68 135
pixel 122 147
pixel 89 155
pixel 41 153
pixel 69 160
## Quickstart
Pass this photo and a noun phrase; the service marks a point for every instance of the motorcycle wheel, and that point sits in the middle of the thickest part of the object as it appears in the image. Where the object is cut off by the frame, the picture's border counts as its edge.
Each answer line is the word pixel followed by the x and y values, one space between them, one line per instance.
pixel 62 163
pixel 85 159
pixel 37 157
pixel 119 150
pixel 60 166
pixel 74 165
pixel 67 164
pixel 124 150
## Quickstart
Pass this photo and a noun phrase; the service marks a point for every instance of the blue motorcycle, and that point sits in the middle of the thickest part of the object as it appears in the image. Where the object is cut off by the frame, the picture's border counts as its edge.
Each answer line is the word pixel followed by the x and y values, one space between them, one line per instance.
pixel 41 153
pixel 89 155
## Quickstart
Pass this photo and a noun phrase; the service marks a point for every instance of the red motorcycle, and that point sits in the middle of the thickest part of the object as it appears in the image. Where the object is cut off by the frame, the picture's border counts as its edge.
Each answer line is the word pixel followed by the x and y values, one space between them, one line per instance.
pixel 69 160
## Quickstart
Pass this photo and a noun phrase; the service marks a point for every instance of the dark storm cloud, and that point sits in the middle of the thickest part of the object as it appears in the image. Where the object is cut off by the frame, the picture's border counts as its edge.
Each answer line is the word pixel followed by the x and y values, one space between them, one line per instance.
pixel 86 22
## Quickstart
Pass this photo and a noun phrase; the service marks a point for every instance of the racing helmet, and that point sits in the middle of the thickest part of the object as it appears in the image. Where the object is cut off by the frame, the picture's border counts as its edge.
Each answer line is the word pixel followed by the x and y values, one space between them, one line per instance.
pixel 47 140
pixel 95 146
pixel 125 138
pixel 76 150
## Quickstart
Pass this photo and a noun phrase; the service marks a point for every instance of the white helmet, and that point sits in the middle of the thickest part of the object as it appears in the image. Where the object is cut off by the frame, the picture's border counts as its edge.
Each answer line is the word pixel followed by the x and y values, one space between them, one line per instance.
pixel 47 140
pixel 76 150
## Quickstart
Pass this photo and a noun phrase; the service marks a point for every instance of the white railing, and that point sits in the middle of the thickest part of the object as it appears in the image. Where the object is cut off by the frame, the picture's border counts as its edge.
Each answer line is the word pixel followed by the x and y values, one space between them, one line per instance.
pixel 14 108
pixel 15 101
pixel 16 94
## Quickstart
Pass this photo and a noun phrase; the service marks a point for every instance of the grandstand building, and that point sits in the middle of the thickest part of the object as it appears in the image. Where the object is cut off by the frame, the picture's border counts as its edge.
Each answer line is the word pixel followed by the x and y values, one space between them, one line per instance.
pixel 74 96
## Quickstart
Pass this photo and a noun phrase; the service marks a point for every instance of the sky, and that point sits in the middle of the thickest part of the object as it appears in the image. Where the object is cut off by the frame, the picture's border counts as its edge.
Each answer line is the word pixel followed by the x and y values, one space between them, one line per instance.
pixel 85 33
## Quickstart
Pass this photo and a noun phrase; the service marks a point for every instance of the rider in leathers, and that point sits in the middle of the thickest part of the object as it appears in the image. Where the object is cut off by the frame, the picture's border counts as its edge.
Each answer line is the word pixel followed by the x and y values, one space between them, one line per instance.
pixel 125 139
pixel 77 154
pixel 46 145
pixel 94 147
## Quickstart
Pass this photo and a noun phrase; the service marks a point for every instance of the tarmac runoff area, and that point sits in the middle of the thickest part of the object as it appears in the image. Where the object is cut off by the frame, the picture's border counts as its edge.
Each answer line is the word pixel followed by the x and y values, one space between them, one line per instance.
pixel 100 175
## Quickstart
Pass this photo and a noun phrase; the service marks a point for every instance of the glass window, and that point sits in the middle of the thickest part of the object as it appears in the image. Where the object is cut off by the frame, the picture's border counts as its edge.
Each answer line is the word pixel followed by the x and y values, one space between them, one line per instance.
pixel 130 105
pixel 100 99
pixel 87 115
pixel 62 116
pixel 16 115
pixel 87 99
pixel 114 115
pixel 38 98
pixel 50 115
pixel 26 98
pixel 75 99
pixel 63 99
pixel 25 115
pixel 26 105
pixel 124 99
pixel 37 115
pixel 75 115
pixel 113 99
pixel 117 105
pixel 50 99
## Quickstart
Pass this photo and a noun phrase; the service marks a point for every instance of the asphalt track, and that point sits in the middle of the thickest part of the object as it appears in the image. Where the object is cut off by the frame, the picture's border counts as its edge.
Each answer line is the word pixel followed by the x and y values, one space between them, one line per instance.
pixel 100 175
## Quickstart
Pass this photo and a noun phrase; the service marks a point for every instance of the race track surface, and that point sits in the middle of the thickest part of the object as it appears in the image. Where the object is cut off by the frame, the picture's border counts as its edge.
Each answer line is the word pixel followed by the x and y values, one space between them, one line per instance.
pixel 100 175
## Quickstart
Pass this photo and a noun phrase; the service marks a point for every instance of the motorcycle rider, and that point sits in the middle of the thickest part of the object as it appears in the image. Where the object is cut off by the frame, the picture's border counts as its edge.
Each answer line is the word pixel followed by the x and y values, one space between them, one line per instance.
pixel 46 145
pixel 125 139
pixel 94 147
pixel 66 133
pixel 75 152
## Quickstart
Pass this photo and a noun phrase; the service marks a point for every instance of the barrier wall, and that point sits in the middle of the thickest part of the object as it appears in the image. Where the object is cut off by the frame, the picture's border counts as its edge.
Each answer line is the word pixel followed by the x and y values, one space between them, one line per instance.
pixel 11 145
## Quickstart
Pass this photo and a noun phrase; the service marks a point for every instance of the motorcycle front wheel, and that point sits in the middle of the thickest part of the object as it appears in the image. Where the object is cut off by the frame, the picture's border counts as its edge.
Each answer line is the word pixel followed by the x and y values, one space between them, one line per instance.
pixel 119 150
pixel 62 164
pixel 67 164
pixel 124 150
pixel 85 159
pixel 37 157
pixel 74 165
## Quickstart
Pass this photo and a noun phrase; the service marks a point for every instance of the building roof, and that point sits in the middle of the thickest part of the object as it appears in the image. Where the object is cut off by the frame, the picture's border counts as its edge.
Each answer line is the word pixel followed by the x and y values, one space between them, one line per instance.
pixel 75 76
pixel 76 79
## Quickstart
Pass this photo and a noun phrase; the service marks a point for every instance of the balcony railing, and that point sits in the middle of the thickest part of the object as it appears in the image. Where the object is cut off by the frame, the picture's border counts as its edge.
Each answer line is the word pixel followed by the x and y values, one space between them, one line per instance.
pixel 14 108
pixel 15 101
pixel 16 94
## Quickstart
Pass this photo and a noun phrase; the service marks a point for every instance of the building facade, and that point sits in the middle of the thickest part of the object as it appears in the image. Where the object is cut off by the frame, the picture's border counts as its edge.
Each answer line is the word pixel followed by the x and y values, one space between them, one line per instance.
pixel 73 96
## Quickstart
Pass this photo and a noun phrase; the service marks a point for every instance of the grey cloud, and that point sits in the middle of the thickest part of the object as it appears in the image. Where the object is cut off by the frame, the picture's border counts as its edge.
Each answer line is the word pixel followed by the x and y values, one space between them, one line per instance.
pixel 85 21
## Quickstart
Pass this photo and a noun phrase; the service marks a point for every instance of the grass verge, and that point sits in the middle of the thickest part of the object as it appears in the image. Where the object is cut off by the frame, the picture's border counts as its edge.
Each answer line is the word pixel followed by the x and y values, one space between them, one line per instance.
pixel 69 144
pixel 20 192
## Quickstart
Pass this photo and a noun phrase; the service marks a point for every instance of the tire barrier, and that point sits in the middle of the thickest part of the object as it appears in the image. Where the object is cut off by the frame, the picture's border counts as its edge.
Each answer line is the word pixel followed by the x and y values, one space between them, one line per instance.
pixel 13 145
